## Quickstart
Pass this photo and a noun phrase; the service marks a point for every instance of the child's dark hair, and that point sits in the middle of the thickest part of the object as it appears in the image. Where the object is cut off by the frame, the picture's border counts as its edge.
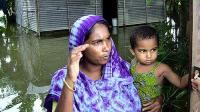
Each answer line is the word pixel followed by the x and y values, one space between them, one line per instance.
pixel 143 32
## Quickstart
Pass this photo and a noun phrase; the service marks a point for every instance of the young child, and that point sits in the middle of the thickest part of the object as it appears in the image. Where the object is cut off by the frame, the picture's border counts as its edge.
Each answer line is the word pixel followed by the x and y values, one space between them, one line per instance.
pixel 147 72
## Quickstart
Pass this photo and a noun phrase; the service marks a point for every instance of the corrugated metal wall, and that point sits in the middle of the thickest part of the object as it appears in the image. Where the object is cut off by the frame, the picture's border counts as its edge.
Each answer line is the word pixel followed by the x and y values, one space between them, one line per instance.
pixel 155 11
pixel 50 15
pixel 26 14
pixel 78 8
pixel 18 5
pixel 59 15
pixel 131 12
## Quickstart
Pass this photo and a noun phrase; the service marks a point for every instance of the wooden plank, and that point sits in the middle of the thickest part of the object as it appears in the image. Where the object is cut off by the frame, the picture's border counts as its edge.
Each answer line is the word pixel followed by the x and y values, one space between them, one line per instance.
pixel 195 95
pixel 196 34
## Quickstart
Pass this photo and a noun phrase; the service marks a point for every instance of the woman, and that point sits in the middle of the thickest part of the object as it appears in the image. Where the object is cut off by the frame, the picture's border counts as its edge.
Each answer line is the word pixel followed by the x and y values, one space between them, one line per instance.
pixel 96 78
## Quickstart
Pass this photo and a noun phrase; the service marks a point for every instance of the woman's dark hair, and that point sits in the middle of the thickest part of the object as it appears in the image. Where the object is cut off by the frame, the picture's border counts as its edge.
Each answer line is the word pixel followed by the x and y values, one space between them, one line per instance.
pixel 141 33
pixel 91 29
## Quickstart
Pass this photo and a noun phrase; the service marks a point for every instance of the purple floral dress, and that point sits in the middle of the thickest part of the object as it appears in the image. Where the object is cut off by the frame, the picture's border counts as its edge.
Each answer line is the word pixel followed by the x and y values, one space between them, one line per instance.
pixel 114 92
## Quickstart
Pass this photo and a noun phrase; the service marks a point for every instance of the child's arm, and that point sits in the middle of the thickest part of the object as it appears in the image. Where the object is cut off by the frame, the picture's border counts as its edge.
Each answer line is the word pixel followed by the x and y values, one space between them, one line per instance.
pixel 172 77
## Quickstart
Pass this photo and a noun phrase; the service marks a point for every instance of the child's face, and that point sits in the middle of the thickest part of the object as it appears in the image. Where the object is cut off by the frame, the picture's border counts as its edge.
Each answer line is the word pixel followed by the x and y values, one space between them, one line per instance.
pixel 146 51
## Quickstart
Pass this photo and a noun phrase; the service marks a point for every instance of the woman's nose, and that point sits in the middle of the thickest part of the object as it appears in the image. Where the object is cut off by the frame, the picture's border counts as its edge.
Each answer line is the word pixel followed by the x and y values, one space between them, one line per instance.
pixel 106 46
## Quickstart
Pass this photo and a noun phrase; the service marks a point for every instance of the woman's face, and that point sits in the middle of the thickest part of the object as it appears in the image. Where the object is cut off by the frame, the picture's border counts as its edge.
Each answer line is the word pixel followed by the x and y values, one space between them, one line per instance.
pixel 100 45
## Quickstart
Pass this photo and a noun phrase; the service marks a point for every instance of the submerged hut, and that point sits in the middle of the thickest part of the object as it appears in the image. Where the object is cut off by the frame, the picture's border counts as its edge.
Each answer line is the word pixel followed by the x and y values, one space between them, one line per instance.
pixel 50 15
pixel 131 12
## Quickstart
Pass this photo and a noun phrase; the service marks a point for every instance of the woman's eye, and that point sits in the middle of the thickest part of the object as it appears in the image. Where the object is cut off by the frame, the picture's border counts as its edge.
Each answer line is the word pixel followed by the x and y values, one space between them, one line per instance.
pixel 97 42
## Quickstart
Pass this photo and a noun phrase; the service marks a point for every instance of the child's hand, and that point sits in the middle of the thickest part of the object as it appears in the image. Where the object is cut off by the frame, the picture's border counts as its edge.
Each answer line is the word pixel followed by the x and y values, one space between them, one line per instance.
pixel 153 106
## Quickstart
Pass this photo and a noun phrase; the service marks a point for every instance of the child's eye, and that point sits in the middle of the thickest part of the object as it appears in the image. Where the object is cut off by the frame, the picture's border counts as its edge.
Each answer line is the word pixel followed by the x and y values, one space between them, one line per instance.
pixel 153 50
pixel 142 50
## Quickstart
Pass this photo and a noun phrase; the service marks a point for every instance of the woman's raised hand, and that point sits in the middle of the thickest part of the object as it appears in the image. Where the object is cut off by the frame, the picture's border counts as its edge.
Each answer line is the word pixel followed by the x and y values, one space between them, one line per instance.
pixel 73 61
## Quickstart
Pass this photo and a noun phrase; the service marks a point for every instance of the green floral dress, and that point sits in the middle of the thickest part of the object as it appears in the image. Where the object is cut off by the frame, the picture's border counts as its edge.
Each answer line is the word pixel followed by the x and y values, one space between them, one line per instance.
pixel 146 83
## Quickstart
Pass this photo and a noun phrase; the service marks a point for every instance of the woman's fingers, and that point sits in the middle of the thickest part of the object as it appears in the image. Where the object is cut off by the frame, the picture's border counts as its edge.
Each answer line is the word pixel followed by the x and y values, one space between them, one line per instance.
pixel 76 53
pixel 75 57
pixel 73 61
pixel 79 49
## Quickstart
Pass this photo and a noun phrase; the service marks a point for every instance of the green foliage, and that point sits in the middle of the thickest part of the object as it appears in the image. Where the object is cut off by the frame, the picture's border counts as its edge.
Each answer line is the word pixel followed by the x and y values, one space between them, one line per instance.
pixel 174 51
pixel 175 100
pixel 148 2
pixel 2 29
pixel 11 6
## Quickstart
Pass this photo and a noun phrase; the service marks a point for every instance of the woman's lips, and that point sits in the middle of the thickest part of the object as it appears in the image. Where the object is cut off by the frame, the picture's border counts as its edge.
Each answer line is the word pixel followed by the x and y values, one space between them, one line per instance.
pixel 106 56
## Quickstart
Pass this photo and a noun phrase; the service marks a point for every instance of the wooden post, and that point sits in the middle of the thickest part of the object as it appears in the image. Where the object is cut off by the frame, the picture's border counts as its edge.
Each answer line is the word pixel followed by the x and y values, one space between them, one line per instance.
pixel 195 96
pixel 196 34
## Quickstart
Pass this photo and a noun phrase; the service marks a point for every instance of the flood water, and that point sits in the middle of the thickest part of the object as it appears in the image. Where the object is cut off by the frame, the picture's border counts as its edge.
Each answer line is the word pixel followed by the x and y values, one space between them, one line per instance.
pixel 27 63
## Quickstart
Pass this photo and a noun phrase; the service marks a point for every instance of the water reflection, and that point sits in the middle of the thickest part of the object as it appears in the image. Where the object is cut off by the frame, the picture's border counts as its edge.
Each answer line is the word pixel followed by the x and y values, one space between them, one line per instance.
pixel 7 95
pixel 121 38
pixel 29 54
pixel 32 89
pixel 37 105
pixel 26 65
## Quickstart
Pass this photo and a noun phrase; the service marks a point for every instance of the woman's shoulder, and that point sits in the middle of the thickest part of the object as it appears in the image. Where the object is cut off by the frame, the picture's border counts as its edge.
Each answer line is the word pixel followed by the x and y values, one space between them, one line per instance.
pixel 60 74
pixel 127 64
pixel 55 87
pixel 57 81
